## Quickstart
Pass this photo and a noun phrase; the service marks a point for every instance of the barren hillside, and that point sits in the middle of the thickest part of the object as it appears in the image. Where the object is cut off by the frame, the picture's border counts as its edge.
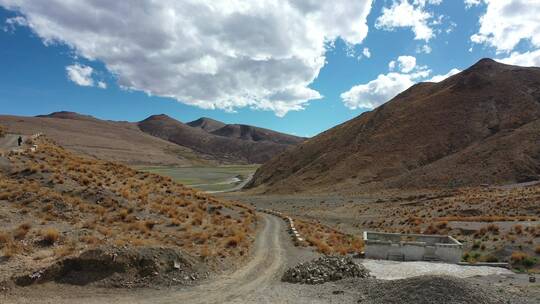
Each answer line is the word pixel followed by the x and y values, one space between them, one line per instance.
pixel 479 126
pixel 256 134
pixel 108 140
pixel 62 213
pixel 207 124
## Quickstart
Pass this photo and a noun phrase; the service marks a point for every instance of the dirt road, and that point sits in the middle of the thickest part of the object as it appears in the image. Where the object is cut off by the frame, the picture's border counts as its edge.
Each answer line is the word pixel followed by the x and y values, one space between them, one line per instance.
pixel 8 142
pixel 266 266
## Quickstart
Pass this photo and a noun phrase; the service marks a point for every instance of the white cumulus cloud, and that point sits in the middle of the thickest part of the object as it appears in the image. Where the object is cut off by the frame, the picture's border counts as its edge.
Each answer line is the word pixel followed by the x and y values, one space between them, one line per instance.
pixel 83 75
pixel 527 59
pixel 366 52
pixel 471 3
pixel 508 22
pixel 80 74
pixel 406 63
pixel 404 14
pixel 101 85
pixel 378 91
pixel 439 78
pixel 211 54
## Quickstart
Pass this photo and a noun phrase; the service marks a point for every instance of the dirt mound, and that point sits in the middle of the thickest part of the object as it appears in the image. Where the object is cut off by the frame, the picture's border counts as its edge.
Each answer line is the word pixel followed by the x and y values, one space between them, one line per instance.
pixel 429 290
pixel 122 267
pixel 480 126
pixel 325 269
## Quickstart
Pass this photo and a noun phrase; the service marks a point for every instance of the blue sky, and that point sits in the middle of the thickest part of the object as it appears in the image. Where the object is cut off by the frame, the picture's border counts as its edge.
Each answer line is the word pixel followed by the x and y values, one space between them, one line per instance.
pixel 39 48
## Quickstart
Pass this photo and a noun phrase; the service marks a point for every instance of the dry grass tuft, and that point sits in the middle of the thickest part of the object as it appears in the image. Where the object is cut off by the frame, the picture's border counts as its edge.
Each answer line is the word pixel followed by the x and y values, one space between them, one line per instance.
pixel 50 236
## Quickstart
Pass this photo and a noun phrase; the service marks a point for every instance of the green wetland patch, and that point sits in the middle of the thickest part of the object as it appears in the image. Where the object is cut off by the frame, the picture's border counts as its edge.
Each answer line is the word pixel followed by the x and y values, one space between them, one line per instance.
pixel 220 178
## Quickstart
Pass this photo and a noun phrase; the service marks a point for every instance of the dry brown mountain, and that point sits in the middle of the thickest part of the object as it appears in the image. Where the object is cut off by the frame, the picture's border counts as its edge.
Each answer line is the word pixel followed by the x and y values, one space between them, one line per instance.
pixel 114 141
pixel 479 126
pixel 207 124
pixel 251 133
pixel 244 132
pixel 229 149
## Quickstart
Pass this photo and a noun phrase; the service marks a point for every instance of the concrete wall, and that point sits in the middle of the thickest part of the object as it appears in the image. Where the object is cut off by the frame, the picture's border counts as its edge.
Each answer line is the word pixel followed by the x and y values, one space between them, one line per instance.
pixel 412 247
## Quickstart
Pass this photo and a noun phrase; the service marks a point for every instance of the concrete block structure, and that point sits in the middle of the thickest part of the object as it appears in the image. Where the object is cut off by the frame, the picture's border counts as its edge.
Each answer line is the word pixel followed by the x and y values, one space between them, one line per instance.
pixel 412 247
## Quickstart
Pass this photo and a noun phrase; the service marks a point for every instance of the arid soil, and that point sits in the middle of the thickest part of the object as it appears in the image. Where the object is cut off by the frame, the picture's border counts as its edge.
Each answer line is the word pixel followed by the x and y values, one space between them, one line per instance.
pixel 259 281
pixel 496 224
pixel 62 213
pixel 75 229
pixel 481 126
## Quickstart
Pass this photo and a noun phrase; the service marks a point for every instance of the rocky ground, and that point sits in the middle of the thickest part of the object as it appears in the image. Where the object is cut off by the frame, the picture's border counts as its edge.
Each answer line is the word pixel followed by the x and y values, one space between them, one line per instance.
pixel 325 269
pixel 496 224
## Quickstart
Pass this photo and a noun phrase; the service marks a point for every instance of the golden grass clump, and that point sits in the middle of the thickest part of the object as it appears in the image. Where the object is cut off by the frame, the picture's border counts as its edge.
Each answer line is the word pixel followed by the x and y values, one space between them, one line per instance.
pixel 50 236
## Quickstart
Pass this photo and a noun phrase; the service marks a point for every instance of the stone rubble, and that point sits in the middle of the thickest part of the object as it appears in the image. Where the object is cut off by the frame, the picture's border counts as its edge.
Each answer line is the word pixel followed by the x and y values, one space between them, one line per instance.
pixel 325 269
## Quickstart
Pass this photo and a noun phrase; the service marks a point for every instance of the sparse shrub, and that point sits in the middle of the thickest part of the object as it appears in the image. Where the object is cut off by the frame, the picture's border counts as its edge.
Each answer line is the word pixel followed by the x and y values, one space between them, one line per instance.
pixel 493 228
pixel 529 261
pixel 50 236
pixel 518 256
pixel 537 249
pixel 90 239
pixel 518 229
pixel 21 231
pixel 442 225
pixel 11 248
pixel 149 225
pixel 4 238
pixel 489 259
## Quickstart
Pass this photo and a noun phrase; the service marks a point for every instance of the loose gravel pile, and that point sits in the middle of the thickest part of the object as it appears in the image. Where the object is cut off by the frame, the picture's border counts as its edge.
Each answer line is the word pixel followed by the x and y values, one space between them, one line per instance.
pixel 431 289
pixel 324 269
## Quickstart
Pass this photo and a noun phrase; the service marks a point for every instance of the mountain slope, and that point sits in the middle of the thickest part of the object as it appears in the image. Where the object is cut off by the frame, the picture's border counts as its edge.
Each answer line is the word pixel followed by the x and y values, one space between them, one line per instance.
pixel 244 132
pixel 108 140
pixel 479 126
pixel 207 124
pixel 251 133
pixel 223 148
pixel 75 205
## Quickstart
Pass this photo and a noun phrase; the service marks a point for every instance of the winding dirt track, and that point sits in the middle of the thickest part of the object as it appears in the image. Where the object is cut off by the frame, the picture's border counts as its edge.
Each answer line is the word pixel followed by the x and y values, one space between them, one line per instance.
pixel 8 142
pixel 265 266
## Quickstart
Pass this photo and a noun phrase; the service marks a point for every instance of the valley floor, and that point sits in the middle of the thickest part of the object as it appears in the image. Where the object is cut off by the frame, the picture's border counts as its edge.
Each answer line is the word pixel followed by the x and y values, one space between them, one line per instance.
pixel 258 281
pixel 213 179
pixel 496 224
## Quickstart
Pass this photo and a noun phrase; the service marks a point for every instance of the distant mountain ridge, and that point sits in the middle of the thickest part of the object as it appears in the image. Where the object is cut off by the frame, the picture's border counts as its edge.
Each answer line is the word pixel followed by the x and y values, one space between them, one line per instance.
pixel 244 132
pixel 107 140
pixel 479 126
pixel 159 139
pixel 231 146
pixel 206 124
